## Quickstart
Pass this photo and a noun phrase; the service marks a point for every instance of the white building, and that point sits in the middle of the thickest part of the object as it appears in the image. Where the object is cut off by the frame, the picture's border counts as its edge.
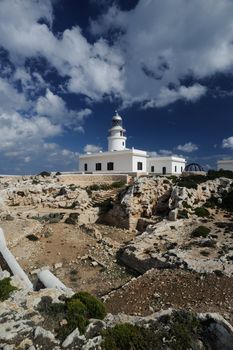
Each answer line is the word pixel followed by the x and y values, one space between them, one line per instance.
pixel 119 159
pixel 166 165
pixel 225 164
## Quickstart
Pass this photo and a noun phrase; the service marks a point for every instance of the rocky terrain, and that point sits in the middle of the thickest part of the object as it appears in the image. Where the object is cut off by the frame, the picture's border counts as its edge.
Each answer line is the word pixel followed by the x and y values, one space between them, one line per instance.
pixel 159 243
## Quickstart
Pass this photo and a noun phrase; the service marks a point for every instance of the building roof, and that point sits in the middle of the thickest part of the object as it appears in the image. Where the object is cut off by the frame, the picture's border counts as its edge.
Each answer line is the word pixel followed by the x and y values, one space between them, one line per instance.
pixel 173 158
pixel 132 151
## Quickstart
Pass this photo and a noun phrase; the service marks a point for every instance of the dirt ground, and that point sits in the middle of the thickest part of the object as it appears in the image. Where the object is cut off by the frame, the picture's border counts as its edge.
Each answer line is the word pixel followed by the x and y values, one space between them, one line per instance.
pixel 81 261
pixel 161 289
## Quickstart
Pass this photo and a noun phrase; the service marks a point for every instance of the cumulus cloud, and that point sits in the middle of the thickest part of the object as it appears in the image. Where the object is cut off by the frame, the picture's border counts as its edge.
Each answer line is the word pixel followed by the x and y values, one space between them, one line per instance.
pixel 92 148
pixel 228 143
pixel 199 45
pixel 92 69
pixel 187 147
pixel 167 96
pixel 54 107
pixel 178 39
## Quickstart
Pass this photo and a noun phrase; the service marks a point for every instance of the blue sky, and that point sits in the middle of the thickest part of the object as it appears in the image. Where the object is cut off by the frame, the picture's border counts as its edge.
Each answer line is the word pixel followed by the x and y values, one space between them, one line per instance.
pixel 67 65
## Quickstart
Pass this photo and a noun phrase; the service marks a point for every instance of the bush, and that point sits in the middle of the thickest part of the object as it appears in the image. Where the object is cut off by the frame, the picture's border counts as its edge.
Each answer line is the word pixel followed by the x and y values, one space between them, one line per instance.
pixel 77 311
pixel 95 308
pixel 202 212
pixel 118 184
pixel 6 288
pixel 227 201
pixel 201 231
pixel 180 332
pixel 105 206
pixel 191 181
pixel 32 237
pixel 44 174
pixel 213 174
pixel 122 337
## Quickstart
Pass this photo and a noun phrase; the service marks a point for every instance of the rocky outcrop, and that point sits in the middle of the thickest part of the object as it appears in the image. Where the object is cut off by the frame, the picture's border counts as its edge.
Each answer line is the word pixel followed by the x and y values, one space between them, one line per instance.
pixel 145 199
pixel 149 198
pixel 172 245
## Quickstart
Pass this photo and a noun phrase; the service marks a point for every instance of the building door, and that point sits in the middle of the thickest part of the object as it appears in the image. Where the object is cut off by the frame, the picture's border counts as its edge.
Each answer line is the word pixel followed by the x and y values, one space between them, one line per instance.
pixel 164 170
pixel 85 167
pixel 152 169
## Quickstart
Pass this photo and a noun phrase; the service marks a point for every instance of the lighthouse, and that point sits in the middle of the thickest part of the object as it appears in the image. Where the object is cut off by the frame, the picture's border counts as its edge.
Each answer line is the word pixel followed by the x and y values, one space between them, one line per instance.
pixel 121 160
pixel 116 135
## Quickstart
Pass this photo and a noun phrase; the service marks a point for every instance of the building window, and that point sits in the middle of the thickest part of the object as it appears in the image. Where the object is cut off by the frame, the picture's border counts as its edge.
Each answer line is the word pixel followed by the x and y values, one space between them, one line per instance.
pixel 181 169
pixel 175 168
pixel 123 143
pixel 139 167
pixel 85 167
pixel 152 169
pixel 164 170
pixel 110 166
pixel 98 167
pixel 121 133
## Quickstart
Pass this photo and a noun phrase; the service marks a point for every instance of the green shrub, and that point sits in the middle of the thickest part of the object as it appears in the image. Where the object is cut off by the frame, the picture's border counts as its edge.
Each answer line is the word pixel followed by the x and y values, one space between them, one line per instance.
pixel 95 308
pixel 227 201
pixel 6 288
pixel 77 310
pixel 201 231
pixel 191 181
pixel 202 212
pixel 77 316
pixel 105 206
pixel 32 237
pixel 122 337
pixel 44 174
pixel 179 332
pixel 118 184
pixel 213 174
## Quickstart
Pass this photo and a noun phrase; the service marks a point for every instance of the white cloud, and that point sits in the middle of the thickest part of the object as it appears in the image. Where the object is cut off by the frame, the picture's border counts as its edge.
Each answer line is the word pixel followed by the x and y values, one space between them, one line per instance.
pixel 167 96
pixel 92 148
pixel 92 69
pixel 187 147
pixel 10 99
pixel 54 107
pixel 142 63
pixel 165 152
pixel 166 41
pixel 228 143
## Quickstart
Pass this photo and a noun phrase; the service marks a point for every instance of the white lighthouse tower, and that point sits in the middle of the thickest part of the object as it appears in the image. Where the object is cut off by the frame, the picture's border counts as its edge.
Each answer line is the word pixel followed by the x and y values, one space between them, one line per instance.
pixel 116 138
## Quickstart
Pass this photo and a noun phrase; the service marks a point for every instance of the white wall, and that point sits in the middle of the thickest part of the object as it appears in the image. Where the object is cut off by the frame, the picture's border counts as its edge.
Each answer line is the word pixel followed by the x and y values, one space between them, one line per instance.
pixel 122 162
pixel 143 160
pixel 169 164
pixel 224 164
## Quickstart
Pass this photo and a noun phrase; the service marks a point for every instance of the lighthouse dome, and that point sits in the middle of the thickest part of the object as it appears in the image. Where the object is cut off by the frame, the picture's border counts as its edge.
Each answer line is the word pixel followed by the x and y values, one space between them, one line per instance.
pixel 116 120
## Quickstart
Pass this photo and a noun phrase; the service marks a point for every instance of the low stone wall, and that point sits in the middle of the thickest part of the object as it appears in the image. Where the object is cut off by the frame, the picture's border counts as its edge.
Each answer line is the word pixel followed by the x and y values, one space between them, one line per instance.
pixel 84 180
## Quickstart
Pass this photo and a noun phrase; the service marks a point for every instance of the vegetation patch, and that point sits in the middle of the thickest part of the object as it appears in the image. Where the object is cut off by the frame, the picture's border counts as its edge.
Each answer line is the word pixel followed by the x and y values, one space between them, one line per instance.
pixel 6 288
pixel 181 331
pixel 201 231
pixel 72 219
pixel 51 218
pixel 192 181
pixel 105 206
pixel 202 212
pixel 227 201
pixel 105 187
pixel 76 311
pixel 44 174
pixel 32 237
